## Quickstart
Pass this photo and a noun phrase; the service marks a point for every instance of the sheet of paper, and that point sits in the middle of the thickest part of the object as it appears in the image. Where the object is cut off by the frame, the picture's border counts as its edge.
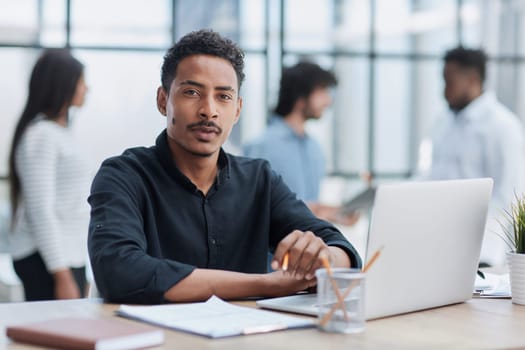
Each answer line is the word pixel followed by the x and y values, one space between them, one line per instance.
pixel 214 318
pixel 493 285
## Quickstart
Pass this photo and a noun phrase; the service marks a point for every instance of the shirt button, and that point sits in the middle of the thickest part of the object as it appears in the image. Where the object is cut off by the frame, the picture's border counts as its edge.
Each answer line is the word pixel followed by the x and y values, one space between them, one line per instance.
pixel 213 241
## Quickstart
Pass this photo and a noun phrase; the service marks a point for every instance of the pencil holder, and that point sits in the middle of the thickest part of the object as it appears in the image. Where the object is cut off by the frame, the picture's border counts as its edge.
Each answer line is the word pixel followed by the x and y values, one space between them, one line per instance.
pixel 340 297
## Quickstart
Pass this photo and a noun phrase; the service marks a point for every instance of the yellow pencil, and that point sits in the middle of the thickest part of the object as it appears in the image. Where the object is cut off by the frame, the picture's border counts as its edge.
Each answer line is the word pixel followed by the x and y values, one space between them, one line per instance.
pixel 372 259
pixel 284 265
pixel 340 299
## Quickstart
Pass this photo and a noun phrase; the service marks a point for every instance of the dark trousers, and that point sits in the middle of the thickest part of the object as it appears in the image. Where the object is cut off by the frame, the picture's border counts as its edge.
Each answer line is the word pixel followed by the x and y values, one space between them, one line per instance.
pixel 38 282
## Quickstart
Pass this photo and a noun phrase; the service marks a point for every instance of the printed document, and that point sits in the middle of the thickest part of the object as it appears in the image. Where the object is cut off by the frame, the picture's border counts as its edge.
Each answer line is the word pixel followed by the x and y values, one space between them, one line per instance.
pixel 214 318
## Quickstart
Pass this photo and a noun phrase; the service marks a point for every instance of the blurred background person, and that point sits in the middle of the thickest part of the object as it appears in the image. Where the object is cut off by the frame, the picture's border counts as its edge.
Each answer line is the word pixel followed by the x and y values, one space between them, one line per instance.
pixel 304 94
pixel 49 183
pixel 478 137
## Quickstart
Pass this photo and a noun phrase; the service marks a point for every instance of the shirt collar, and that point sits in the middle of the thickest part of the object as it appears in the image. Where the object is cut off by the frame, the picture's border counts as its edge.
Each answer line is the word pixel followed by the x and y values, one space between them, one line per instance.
pixel 164 154
pixel 223 164
pixel 473 110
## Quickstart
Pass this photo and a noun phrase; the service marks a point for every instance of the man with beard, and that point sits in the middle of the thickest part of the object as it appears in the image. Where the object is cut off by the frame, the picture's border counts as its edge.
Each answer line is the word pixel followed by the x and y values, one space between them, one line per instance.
pixel 183 220
pixel 304 94
pixel 478 137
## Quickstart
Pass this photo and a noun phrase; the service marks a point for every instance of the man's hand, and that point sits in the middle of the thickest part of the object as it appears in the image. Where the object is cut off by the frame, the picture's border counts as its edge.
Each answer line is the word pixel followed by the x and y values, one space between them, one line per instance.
pixel 281 283
pixel 304 250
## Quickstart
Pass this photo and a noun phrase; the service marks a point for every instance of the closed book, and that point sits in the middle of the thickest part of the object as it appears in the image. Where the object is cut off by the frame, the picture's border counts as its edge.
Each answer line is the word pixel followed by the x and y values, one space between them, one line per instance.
pixel 87 333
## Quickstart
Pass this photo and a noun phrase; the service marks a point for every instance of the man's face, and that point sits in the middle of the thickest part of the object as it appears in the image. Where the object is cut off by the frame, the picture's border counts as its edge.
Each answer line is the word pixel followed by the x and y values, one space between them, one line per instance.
pixel 202 105
pixel 459 83
pixel 317 102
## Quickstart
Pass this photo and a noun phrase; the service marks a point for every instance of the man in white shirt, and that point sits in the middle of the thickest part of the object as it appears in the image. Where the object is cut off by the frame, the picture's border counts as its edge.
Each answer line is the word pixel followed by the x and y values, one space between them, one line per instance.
pixel 478 137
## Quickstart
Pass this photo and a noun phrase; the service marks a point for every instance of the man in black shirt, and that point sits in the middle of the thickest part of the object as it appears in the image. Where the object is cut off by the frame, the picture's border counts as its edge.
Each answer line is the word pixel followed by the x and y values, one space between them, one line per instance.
pixel 183 220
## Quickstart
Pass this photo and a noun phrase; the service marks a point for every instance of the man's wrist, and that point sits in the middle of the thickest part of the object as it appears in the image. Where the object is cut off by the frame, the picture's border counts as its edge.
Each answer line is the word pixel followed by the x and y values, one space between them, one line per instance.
pixel 338 257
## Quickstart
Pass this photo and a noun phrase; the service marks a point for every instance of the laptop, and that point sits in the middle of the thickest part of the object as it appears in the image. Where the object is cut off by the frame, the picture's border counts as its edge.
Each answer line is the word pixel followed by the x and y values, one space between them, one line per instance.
pixel 431 234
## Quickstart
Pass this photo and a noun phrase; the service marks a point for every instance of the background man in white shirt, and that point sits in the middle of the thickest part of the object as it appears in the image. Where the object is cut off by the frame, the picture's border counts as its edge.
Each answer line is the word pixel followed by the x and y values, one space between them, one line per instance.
pixel 478 137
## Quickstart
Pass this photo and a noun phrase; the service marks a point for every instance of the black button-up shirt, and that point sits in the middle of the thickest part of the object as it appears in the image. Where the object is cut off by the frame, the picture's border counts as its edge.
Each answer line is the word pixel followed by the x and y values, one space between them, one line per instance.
pixel 151 226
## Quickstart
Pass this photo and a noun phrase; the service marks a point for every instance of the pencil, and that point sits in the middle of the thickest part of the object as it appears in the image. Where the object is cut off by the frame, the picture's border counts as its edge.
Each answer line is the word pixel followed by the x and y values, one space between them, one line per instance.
pixel 372 259
pixel 326 265
pixel 284 265
pixel 340 298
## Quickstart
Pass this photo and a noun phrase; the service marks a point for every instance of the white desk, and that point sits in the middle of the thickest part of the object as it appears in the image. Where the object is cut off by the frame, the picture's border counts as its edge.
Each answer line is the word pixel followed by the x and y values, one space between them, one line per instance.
pixel 477 324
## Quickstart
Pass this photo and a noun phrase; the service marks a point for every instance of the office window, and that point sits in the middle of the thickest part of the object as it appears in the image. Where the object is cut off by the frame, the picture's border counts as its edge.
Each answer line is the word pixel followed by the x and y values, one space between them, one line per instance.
pixel 196 14
pixel 392 123
pixel 120 109
pixel 506 83
pixel 394 25
pixel 254 112
pixel 520 90
pixel 252 23
pixel 434 26
pixel 308 25
pixel 351 119
pixel 121 23
pixel 474 27
pixel 52 32
pixel 427 102
pixel 352 25
pixel 15 71
pixel 19 22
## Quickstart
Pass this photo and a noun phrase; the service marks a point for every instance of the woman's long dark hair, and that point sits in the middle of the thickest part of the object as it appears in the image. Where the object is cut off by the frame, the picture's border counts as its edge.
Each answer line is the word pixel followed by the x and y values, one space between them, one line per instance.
pixel 51 90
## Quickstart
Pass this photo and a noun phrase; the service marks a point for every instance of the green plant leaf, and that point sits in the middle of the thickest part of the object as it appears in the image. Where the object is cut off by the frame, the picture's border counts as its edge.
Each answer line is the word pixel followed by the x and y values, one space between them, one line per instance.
pixel 514 229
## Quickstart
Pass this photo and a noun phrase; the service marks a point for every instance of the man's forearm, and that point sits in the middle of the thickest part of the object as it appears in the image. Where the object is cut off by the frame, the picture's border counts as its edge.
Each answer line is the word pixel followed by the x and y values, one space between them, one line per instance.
pixel 203 283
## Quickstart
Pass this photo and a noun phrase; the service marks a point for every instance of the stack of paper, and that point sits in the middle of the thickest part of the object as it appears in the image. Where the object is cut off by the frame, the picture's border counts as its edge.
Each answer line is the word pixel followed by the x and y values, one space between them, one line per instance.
pixel 214 318
pixel 492 286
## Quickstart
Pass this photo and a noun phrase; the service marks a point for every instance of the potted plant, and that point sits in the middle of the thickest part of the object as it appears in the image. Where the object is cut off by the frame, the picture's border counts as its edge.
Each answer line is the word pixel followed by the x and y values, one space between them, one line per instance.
pixel 514 236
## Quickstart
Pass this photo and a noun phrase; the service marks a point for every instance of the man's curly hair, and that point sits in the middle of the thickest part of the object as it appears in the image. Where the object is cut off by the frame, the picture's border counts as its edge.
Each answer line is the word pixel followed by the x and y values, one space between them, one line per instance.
pixel 468 58
pixel 202 42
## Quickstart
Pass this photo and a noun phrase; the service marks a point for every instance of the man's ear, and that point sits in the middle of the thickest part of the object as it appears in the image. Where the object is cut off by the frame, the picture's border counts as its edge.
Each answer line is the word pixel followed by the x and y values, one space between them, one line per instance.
pixel 474 77
pixel 162 100
pixel 299 104
pixel 238 112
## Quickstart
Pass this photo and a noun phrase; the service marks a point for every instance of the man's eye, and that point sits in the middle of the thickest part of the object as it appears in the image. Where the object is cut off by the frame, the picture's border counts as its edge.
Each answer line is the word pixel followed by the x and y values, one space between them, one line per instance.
pixel 225 97
pixel 190 92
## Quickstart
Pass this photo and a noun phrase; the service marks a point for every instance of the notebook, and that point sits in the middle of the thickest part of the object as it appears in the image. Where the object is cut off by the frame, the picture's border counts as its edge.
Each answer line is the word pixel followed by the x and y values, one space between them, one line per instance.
pixel 86 333
pixel 431 233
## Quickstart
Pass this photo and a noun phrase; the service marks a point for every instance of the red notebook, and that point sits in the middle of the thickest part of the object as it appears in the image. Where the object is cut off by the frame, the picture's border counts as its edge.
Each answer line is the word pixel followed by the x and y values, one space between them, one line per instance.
pixel 86 333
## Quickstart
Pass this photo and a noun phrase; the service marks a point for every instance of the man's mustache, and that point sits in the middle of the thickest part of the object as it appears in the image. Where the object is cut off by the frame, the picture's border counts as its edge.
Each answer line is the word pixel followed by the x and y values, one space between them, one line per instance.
pixel 205 124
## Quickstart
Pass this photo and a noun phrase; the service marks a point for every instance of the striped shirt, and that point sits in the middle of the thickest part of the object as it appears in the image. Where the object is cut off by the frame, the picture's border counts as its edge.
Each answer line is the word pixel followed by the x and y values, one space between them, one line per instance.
pixel 53 212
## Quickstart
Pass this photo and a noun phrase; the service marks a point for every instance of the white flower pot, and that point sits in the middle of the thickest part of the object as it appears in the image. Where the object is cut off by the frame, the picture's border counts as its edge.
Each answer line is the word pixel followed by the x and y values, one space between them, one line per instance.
pixel 517 277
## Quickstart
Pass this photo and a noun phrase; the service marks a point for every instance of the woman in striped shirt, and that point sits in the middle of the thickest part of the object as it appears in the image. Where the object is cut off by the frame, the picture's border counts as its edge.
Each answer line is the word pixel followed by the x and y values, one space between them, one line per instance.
pixel 49 182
